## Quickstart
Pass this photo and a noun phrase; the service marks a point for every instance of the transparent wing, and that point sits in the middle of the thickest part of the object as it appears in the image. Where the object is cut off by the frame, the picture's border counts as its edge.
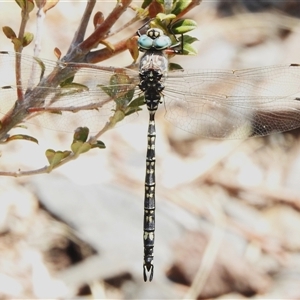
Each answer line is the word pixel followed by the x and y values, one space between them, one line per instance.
pixel 89 99
pixel 234 104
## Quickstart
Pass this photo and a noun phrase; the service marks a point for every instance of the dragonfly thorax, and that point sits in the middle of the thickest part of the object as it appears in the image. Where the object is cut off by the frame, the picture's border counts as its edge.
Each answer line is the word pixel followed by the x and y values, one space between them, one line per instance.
pixel 152 86
pixel 153 70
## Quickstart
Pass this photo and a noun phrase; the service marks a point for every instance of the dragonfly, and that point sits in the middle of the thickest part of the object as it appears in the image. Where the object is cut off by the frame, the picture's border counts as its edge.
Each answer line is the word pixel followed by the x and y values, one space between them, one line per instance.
pixel 209 103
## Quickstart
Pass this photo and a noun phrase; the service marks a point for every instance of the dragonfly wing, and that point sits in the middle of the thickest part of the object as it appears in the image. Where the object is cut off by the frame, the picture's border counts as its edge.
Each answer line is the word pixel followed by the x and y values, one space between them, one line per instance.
pixel 234 104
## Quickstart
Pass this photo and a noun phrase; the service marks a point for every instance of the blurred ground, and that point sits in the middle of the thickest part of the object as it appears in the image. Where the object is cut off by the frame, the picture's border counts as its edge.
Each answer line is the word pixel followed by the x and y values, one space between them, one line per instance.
pixel 227 211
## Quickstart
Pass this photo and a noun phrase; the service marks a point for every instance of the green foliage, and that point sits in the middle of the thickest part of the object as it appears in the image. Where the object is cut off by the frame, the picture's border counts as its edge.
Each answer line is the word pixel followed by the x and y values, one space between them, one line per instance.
pixel 98 144
pixel 9 33
pixel 146 3
pixel 188 49
pixel 26 5
pixel 55 158
pixel 118 91
pixel 81 134
pixel 173 66
pixel 18 43
pixel 180 5
pixel 121 88
pixel 80 145
pixel 183 26
pixel 173 26
pixel 134 105
pixel 27 39
pixel 42 66
pixel 20 137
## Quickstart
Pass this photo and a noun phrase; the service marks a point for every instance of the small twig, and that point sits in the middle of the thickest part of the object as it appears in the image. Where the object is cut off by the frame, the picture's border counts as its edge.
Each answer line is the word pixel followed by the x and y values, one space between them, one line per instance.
pixel 103 54
pixel 73 109
pixel 192 4
pixel 102 31
pixel 20 173
pixel 24 19
pixel 129 23
pixel 33 99
pixel 80 33
pixel 109 125
pixel 38 42
pixel 42 170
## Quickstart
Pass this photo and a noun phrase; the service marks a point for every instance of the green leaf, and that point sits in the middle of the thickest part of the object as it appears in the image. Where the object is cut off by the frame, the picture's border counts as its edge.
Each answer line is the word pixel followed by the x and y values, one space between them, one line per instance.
pixel 30 6
pixel 117 117
pixel 21 126
pixel 189 39
pixel 21 3
pixel 75 87
pixel 137 101
pixel 113 90
pixel 57 53
pixel 108 45
pixel 50 4
pixel 17 44
pixel 55 157
pixel 188 49
pixel 146 3
pixel 98 19
pixel 67 81
pixel 183 26
pixel 155 8
pixel 42 66
pixel 22 137
pixel 99 144
pixel 27 39
pixel 26 5
pixel 164 17
pixel 179 6
pixel 173 66
pixel 132 46
pixel 118 90
pixel 123 101
pixel 9 33
pixel 134 105
pixel 81 134
pixel 79 147
pixel 130 111
pixel 69 89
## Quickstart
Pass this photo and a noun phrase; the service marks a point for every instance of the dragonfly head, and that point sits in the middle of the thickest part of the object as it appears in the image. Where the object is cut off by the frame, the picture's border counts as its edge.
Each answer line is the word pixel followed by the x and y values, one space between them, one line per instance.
pixel 154 39
pixel 154 33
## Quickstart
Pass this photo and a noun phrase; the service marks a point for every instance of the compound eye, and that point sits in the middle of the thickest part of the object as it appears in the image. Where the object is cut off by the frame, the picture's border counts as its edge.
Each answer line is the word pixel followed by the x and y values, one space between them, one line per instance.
pixel 145 42
pixel 162 42
pixel 154 33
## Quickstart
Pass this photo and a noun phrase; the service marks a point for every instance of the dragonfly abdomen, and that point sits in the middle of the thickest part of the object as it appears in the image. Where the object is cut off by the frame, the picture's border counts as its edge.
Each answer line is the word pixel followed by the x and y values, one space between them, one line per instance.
pixel 152 87
pixel 149 201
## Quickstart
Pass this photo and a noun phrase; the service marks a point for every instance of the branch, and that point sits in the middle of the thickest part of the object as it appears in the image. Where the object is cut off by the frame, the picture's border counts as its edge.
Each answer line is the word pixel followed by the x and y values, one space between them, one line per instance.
pixel 77 54
pixel 79 35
